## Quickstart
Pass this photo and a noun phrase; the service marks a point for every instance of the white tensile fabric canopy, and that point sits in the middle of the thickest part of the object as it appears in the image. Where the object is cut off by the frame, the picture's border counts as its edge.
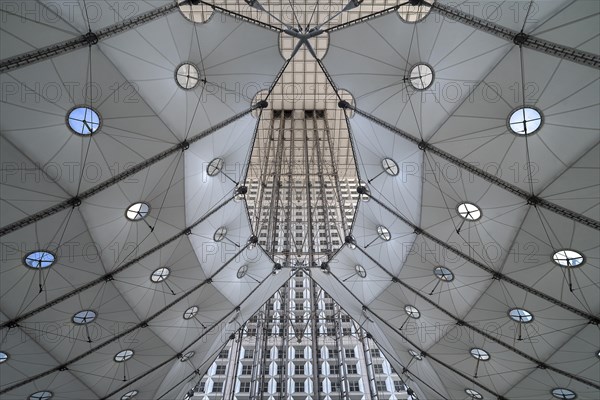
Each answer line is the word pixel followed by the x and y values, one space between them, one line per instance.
pixel 503 288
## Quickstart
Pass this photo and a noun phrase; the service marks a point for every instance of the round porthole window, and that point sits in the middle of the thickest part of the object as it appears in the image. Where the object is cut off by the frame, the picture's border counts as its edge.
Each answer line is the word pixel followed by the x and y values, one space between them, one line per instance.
pixel 83 121
pixel 421 76
pixel 187 76
pixel 525 121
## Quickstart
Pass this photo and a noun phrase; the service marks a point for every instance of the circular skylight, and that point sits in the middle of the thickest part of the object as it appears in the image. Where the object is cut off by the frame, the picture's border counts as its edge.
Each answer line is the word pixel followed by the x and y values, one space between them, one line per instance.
pixel 469 211
pixel 568 258
pixel 129 395
pixel 84 317
pixel 525 121
pixel 198 12
pixel 190 312
pixel 242 271
pixel 39 259
pixel 220 234
pixel 215 166
pixel 137 211
pixel 123 355
pixel 443 274
pixel 416 355
pixel 3 357
pixel 421 76
pixel 480 354
pixel 412 311
pixel 360 271
pixel 160 274
pixel 384 233
pixel 187 76
pixel 390 166
pixel 474 394
pixel 41 395
pixel 562 393
pixel 187 356
pixel 414 10
pixel 83 120
pixel 520 315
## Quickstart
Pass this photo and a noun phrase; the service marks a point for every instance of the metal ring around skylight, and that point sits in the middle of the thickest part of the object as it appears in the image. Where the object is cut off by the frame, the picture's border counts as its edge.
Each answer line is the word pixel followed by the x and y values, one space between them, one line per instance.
pixel 384 233
pixel 390 166
pixel 187 75
pixel 123 355
pixel 137 211
pixel 412 311
pixel 129 395
pixel 190 312
pixel 39 259
pixel 563 393
pixel 520 315
pixel 474 394
pixel 443 274
pixel 469 211
pixel 421 76
pixel 84 317
pixel 220 234
pixel 83 120
pixel 479 354
pixel 215 166
pixel 187 356
pixel 160 274
pixel 241 272
pixel 524 121
pixel 568 258
pixel 41 395
pixel 413 13
pixel 360 271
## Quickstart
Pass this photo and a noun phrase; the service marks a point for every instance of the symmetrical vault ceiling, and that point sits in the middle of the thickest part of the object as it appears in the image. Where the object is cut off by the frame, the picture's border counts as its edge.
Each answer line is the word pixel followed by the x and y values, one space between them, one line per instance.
pixel 489 111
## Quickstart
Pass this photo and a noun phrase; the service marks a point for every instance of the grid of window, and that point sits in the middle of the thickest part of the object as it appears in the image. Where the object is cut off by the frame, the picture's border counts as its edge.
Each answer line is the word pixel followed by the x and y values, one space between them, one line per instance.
pixel 298 386
pixel 335 387
pixel 246 369
pixel 220 370
pixel 381 386
pixel 217 387
pixel 293 362
pixel 245 387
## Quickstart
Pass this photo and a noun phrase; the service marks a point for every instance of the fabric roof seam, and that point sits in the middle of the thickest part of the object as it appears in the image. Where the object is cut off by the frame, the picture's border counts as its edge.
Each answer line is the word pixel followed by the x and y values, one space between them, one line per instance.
pixel 86 39
pixel 532 200
pixel 118 336
pixel 518 38
pixel 110 275
pixel 497 275
pixel 75 201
